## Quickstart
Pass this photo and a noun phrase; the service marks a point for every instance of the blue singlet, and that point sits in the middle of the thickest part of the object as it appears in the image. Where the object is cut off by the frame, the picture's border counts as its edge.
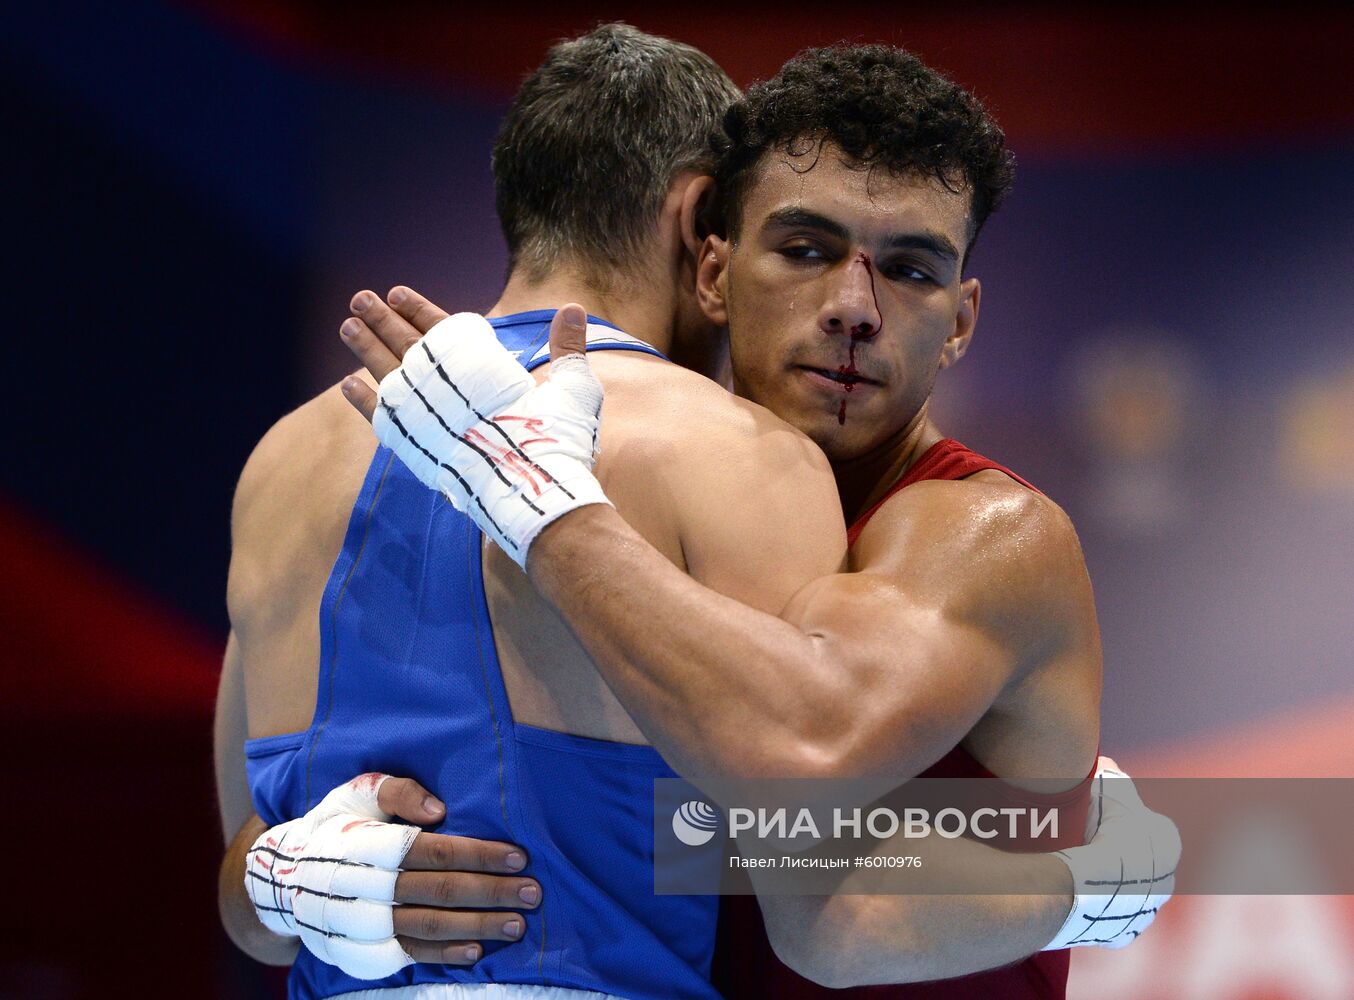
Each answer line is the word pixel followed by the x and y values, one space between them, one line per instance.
pixel 409 684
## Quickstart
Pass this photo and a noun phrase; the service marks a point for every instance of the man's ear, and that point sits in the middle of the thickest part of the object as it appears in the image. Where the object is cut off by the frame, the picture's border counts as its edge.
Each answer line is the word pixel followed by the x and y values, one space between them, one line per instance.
pixel 694 216
pixel 970 294
pixel 712 279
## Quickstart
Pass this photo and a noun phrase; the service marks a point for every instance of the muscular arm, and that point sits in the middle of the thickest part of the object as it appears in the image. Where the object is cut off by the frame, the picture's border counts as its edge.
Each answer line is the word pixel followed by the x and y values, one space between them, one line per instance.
pixel 879 671
pixel 866 672
pixel 240 824
pixel 228 737
pixel 855 940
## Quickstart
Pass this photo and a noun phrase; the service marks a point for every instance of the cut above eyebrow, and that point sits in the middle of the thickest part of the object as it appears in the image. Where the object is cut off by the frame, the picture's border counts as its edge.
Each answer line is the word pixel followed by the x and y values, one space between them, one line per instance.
pixel 929 241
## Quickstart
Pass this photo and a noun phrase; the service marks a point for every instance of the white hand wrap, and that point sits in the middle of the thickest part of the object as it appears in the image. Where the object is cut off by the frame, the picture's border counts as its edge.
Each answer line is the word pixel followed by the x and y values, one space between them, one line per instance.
pixel 472 423
pixel 329 878
pixel 1125 873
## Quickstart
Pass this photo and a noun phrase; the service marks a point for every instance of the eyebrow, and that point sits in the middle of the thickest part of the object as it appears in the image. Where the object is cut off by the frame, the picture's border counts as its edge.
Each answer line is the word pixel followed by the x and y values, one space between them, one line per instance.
pixel 929 241
pixel 799 218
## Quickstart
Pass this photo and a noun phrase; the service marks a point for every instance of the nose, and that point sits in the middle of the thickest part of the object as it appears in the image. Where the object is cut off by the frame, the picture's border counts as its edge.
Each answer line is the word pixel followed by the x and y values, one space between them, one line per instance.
pixel 850 305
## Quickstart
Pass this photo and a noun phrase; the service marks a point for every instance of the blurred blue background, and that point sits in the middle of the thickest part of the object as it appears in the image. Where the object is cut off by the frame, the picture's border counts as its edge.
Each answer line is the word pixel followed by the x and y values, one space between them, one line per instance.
pixel 1166 347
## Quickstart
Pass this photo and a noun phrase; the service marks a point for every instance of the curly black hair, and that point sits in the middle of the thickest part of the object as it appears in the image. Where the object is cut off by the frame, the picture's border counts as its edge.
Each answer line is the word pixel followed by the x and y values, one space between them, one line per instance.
pixel 883 107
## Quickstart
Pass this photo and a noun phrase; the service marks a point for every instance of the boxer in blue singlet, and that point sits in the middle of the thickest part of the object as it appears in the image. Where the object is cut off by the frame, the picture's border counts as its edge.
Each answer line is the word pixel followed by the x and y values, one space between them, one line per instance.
pixel 432 658
pixel 410 684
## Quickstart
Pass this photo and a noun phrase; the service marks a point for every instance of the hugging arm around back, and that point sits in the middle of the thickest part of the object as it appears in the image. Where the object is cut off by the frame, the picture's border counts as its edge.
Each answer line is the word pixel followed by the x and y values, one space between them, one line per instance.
pixel 963 595
pixel 749 520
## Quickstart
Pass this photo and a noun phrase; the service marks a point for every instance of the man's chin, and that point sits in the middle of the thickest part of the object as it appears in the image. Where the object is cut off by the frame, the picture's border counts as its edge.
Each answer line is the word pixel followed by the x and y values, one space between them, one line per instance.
pixel 825 427
pixel 839 441
pixel 840 451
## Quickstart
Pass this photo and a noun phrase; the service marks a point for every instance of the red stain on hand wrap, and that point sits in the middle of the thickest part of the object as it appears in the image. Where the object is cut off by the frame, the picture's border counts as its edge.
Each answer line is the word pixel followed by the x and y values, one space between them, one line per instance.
pixel 359 823
pixel 371 779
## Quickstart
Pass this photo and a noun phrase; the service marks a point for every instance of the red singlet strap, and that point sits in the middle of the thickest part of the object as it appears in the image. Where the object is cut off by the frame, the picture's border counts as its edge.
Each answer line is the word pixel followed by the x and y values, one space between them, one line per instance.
pixel 946 459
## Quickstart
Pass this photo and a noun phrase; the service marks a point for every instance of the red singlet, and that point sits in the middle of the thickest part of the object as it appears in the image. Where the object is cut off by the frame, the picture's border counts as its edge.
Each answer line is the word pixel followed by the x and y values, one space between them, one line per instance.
pixel 745 967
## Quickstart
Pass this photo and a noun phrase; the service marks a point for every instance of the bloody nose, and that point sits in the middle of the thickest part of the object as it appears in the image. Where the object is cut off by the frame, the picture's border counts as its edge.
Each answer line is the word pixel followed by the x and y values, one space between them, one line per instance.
pixel 865 330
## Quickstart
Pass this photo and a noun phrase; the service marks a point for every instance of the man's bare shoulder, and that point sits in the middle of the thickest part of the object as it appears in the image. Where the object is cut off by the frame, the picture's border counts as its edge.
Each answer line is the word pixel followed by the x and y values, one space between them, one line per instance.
pixel 753 501
pixel 993 557
pixel 294 494
pixel 987 536
pixel 681 407
pixel 297 457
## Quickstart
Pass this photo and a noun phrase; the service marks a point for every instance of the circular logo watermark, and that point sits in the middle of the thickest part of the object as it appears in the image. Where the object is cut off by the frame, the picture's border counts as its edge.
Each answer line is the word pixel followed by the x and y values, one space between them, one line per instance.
pixel 694 823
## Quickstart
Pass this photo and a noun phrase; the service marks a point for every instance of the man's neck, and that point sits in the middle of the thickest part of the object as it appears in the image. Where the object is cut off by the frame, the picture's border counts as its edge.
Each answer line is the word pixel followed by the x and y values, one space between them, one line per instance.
pixel 863 481
pixel 641 308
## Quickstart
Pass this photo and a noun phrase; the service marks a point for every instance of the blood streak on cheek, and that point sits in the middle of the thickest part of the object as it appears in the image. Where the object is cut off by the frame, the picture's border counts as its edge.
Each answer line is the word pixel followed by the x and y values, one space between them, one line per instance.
pixel 856 337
